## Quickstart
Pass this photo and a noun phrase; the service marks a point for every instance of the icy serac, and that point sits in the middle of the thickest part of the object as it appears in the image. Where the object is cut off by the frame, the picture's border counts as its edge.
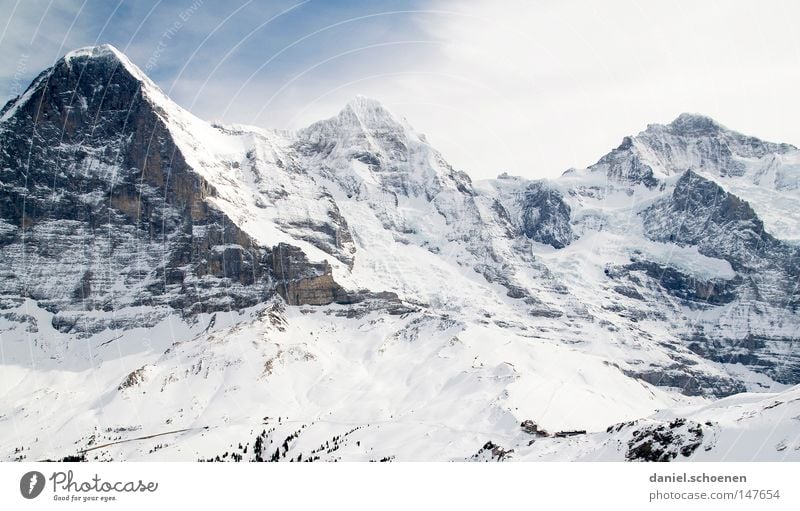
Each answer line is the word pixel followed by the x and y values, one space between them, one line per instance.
pixel 174 289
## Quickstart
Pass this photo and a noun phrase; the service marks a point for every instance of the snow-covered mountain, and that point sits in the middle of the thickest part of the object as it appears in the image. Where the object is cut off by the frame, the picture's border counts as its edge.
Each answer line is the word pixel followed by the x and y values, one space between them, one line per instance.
pixel 173 289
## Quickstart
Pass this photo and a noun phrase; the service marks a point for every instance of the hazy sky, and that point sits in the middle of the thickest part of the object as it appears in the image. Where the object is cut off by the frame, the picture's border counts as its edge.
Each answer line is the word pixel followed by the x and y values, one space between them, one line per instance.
pixel 531 88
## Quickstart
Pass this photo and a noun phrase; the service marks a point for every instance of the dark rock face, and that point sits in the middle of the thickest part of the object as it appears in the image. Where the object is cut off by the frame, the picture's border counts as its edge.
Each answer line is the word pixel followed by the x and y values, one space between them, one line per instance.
pixel 300 282
pixel 623 165
pixel 705 211
pixel 689 382
pixel 700 213
pixel 694 125
pixel 101 211
pixel 764 354
pixel 545 216
pixel 676 283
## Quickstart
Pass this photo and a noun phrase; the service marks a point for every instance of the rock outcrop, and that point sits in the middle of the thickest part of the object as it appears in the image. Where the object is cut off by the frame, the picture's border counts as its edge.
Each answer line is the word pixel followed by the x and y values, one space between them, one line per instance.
pixel 545 216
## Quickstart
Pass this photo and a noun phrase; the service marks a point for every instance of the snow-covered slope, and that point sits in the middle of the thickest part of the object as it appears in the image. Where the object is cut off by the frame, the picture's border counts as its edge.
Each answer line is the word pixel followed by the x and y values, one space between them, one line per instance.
pixel 174 289
pixel 744 427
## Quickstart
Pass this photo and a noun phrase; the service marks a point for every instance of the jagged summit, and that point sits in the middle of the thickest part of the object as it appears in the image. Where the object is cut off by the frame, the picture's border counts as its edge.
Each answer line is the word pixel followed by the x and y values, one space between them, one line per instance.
pixel 101 50
pixel 363 130
pixel 82 72
pixel 698 142
pixel 361 115
pixel 694 124
pixel 362 103
pixel 369 111
pixel 103 54
pixel 99 58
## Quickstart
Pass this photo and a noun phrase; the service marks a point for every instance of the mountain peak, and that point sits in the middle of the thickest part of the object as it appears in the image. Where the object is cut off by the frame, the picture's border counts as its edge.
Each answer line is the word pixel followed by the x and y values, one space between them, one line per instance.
pixel 362 117
pixel 107 53
pixel 101 50
pixel 694 124
pixel 100 63
pixel 360 102
pixel 369 113
pixel 81 71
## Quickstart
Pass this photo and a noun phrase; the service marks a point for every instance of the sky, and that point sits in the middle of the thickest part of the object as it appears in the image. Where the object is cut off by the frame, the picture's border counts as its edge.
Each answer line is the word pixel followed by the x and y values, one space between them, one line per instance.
pixel 531 88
